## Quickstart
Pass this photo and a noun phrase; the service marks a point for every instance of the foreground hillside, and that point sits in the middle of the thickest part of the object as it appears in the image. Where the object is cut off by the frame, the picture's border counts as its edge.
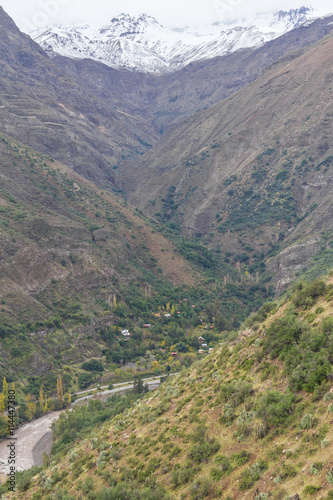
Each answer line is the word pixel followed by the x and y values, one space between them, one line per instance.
pixel 251 420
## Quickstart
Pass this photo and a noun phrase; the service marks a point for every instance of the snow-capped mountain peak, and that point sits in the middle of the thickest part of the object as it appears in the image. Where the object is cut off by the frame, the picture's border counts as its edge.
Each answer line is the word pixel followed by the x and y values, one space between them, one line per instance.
pixel 140 43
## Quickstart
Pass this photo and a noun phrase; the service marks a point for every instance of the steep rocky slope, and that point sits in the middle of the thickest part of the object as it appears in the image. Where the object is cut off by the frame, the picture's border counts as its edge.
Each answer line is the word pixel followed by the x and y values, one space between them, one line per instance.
pixel 257 164
pixel 44 108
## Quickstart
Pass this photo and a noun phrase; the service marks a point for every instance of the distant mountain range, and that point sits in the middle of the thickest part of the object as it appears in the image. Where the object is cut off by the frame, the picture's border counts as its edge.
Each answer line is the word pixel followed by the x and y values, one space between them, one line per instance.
pixel 194 148
pixel 142 44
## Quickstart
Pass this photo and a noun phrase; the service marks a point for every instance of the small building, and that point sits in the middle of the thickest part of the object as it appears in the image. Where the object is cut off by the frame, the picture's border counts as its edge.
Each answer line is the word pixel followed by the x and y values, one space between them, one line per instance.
pixel 201 339
pixel 147 325
pixel 203 345
pixel 201 351
pixel 210 349
pixel 167 315
pixel 174 354
pixel 126 334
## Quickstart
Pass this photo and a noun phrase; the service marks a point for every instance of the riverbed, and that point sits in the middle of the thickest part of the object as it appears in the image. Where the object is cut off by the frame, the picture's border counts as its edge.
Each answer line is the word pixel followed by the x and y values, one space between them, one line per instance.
pixel 29 443
pixel 34 438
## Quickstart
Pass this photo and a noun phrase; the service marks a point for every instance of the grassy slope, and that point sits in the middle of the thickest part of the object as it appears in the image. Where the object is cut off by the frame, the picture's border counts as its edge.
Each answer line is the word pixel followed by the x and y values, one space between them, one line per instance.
pixel 163 439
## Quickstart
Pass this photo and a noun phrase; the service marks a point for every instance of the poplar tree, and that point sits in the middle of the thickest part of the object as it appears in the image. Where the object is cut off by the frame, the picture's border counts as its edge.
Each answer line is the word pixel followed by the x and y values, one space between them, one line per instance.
pixel 41 399
pixel 2 405
pixel 60 391
pixel 5 388
pixel 68 399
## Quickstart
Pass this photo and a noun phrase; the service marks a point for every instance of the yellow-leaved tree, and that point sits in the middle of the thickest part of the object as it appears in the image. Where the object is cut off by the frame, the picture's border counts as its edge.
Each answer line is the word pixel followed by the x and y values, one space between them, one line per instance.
pixel 30 411
pixel 41 399
pixel 2 405
pixel 60 391
pixel 5 389
pixel 68 399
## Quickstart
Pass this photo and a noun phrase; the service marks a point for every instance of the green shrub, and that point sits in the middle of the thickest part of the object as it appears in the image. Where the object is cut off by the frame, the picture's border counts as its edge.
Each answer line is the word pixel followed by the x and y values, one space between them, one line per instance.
pixel 251 475
pixel 182 476
pixel 224 467
pixel 216 474
pixel 308 421
pixel 282 334
pixel 244 422
pixel 201 452
pixel 85 380
pixel 275 408
pixel 307 293
pixel 239 459
pixel 203 447
pixel 287 471
pixel 235 393
pixel 328 397
pixel 311 490
pixel 200 489
pixel 94 365
pixel 316 467
pixel 228 414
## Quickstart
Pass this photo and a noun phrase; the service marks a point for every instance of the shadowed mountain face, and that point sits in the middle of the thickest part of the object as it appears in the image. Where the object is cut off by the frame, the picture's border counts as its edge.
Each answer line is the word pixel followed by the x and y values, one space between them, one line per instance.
pixel 254 170
pixel 44 108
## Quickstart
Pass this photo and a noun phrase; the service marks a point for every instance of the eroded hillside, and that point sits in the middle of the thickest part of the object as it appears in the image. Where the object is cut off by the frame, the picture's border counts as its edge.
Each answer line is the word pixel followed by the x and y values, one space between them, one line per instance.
pixel 252 173
pixel 44 108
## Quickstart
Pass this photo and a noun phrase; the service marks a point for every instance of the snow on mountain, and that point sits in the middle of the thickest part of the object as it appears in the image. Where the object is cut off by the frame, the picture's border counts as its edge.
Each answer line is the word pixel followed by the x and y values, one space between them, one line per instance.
pixel 142 44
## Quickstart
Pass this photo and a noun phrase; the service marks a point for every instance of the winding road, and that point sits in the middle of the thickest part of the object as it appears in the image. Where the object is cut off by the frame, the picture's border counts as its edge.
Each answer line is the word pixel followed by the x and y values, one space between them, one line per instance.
pixel 34 439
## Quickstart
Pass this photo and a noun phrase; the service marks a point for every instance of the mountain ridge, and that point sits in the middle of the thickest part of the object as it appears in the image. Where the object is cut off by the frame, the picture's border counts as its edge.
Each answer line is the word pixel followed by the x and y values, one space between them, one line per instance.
pixel 142 44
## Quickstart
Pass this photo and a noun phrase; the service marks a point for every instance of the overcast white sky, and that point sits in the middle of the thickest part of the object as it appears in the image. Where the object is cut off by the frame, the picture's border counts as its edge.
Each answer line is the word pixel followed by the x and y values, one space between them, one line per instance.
pixel 36 13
